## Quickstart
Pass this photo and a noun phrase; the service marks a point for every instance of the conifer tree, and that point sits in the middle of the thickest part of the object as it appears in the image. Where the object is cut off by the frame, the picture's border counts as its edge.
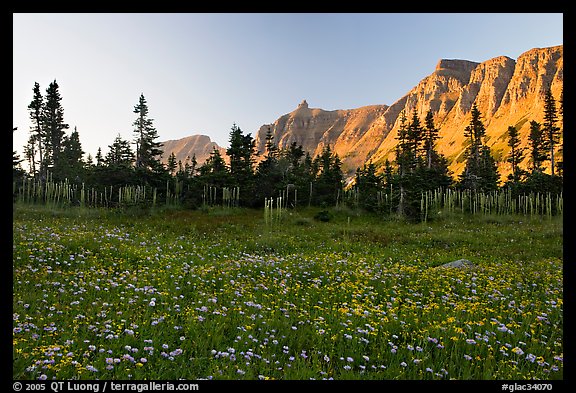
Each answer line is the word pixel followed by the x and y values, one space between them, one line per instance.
pixel 516 154
pixel 99 158
pixel 37 135
pixel 17 171
pixel 171 163
pixel 415 142
pixel 71 164
pixel 119 154
pixel 537 146
pixel 214 172
pixel 241 151
pixel 430 137
pixel 148 150
pixel 368 184
pixel 329 178
pixel 551 131
pixel 54 127
pixel 480 172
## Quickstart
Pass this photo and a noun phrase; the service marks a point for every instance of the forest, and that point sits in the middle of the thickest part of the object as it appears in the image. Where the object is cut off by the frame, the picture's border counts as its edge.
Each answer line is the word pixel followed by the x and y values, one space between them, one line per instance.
pixel 132 173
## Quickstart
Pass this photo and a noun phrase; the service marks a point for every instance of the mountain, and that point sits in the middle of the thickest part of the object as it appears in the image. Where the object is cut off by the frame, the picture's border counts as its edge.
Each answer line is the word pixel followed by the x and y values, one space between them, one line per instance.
pixel 199 145
pixel 506 91
pixel 315 128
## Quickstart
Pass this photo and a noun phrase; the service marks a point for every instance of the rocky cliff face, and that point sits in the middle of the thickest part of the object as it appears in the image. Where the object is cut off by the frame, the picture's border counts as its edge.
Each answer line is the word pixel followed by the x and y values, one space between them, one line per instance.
pixel 506 91
pixel 315 128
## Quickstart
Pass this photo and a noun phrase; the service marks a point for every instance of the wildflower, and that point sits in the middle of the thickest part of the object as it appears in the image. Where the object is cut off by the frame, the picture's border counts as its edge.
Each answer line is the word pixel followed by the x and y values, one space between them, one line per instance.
pixel 530 357
pixel 349 359
pixel 467 357
pixel 403 364
pixel 518 351
pixel 470 341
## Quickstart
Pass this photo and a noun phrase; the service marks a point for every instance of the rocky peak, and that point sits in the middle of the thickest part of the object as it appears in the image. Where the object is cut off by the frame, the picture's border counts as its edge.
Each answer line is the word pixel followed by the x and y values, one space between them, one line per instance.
pixel 303 104
pixel 459 69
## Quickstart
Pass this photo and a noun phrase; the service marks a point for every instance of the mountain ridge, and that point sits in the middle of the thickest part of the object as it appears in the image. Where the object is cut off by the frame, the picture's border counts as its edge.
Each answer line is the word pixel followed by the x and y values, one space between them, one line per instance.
pixel 506 91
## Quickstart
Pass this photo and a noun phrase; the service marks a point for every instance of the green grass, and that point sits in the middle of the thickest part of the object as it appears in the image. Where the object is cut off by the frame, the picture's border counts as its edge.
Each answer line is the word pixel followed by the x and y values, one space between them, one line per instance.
pixel 219 294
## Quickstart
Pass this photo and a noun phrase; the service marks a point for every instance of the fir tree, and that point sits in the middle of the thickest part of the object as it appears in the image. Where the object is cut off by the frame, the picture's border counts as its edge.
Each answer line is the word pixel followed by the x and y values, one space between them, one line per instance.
pixel 270 146
pixel 37 136
pixel 119 154
pixel 99 157
pixel 516 154
pixel 17 171
pixel 71 163
pixel 148 150
pixel 480 172
pixel 551 131
pixel 241 152
pixel 329 178
pixel 171 164
pixel 537 146
pixel 368 184
pixel 214 172
pixel 415 142
pixel 430 137
pixel 54 126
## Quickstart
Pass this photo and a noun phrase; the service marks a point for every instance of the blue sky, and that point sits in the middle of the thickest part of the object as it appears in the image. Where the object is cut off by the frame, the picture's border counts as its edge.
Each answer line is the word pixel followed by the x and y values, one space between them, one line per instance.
pixel 201 73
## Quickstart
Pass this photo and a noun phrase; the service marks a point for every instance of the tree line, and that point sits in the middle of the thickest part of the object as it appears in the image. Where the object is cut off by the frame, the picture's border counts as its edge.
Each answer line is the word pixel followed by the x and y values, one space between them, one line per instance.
pixel 418 166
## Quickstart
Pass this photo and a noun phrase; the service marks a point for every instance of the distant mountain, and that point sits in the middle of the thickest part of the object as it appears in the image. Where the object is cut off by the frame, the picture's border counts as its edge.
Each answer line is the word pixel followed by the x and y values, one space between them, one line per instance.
pixel 199 145
pixel 506 91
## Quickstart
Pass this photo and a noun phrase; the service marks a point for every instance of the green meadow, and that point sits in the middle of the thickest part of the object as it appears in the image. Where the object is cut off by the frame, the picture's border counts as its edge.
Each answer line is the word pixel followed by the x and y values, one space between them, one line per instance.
pixel 236 294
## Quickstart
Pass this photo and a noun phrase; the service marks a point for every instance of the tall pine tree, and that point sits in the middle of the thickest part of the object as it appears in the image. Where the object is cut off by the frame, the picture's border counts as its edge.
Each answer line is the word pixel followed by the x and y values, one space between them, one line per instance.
pixel 37 136
pixel 480 173
pixel 537 146
pixel 516 155
pixel 71 161
pixel 148 150
pixel 551 131
pixel 54 127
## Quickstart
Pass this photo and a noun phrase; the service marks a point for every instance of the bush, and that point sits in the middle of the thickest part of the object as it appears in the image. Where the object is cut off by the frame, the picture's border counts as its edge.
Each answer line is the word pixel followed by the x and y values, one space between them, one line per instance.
pixel 323 215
